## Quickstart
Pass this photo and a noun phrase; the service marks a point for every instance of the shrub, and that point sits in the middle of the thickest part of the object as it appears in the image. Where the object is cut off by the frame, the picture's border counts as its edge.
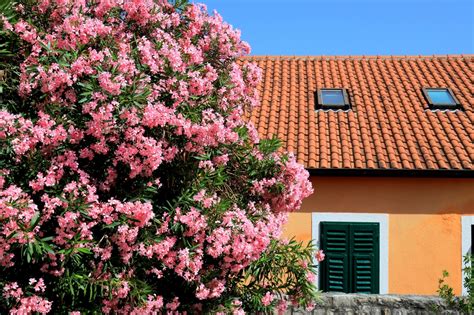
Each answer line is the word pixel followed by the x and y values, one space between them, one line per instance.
pixel 463 304
pixel 129 180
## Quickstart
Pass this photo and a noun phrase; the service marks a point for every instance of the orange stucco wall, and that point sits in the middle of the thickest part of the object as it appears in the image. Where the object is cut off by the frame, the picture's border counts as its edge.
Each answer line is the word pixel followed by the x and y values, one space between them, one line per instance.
pixel 424 223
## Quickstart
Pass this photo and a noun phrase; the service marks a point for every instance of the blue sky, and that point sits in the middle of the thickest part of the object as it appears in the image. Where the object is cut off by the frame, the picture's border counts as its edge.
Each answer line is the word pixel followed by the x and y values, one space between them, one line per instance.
pixel 352 27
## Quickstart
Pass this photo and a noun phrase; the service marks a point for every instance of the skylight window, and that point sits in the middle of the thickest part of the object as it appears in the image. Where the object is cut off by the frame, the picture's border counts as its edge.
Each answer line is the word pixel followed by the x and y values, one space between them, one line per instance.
pixel 332 99
pixel 441 98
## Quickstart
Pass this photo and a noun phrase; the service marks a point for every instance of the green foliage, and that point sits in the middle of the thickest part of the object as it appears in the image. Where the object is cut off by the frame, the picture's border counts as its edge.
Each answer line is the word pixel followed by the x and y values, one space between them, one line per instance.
pixel 6 43
pixel 6 8
pixel 463 304
pixel 282 269
pixel 9 61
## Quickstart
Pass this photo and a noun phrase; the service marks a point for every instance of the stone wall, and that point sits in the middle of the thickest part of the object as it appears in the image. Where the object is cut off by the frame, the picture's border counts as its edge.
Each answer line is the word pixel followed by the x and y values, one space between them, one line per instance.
pixel 375 304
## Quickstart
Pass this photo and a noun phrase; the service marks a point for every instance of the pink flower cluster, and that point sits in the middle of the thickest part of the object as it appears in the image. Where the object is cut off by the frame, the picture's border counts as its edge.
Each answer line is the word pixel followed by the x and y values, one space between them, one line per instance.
pixel 295 187
pixel 17 212
pixel 320 255
pixel 27 304
pixel 267 299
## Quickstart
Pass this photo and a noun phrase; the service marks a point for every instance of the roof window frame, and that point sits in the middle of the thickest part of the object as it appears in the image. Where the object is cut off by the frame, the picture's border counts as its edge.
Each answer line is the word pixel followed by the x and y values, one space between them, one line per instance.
pixel 321 105
pixel 435 106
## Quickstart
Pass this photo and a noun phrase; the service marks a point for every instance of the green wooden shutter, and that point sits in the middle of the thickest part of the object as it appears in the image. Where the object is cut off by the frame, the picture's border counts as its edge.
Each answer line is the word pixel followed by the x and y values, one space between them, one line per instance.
pixel 352 257
pixel 335 266
pixel 364 247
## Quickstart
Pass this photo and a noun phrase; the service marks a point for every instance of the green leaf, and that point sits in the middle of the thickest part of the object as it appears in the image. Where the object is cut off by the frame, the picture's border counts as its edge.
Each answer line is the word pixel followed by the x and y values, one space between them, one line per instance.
pixel 84 250
pixel 34 221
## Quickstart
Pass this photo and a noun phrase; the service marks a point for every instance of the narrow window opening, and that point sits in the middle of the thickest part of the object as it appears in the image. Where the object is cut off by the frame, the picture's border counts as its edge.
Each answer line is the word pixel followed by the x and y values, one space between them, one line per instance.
pixel 472 240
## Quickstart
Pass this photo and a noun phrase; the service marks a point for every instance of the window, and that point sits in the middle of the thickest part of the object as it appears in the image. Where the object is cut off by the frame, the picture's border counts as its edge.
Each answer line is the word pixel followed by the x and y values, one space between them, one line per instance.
pixel 332 99
pixel 441 98
pixel 352 257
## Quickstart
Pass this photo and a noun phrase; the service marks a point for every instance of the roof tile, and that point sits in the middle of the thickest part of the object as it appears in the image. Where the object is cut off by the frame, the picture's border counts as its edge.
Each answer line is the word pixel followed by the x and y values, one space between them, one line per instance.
pixel 389 126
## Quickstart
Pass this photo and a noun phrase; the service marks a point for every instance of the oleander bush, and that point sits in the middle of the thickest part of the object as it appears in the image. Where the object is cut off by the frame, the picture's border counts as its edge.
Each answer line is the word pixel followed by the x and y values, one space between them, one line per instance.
pixel 130 182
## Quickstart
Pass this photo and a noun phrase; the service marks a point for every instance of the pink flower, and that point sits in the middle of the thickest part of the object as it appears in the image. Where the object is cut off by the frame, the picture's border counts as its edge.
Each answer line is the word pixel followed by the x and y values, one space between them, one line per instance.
pixel 173 305
pixel 207 165
pixel 310 306
pixel 221 160
pixel 267 299
pixel 282 306
pixel 217 288
pixel 202 292
pixel 311 277
pixel 11 290
pixel 32 304
pixel 109 85
pixel 153 305
pixel 200 195
pixel 123 290
pixel 6 24
pixel 320 255
pixel 40 286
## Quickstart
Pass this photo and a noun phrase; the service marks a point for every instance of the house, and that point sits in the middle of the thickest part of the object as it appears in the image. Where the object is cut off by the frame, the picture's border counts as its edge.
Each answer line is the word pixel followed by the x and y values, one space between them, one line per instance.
pixel 388 142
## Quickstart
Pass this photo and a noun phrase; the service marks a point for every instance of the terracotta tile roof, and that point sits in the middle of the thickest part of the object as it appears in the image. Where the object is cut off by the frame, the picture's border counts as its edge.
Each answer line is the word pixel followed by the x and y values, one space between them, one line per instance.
pixel 389 126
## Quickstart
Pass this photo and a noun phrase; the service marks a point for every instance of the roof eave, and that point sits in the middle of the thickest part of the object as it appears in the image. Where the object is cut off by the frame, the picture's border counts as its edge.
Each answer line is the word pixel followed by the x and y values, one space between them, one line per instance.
pixel 431 173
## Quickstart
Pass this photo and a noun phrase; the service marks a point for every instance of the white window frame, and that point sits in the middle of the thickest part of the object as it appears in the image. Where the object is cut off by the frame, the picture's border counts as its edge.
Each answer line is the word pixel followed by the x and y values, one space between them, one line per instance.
pixel 466 222
pixel 382 219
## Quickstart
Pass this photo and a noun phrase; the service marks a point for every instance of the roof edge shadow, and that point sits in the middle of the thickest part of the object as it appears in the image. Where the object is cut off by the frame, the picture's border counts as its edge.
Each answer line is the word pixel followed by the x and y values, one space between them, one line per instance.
pixel 432 173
